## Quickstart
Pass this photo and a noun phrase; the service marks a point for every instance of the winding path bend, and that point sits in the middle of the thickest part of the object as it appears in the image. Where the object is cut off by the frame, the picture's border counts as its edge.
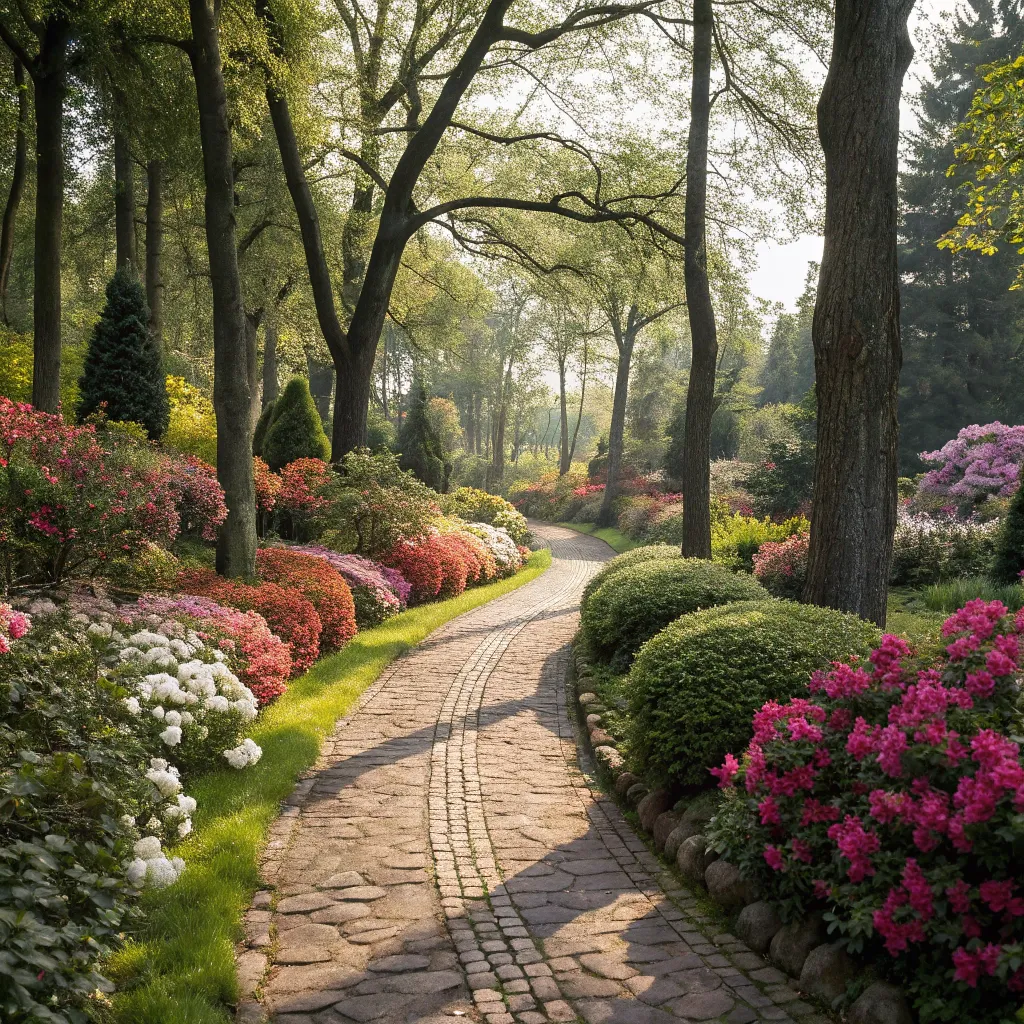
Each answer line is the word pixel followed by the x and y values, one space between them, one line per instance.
pixel 450 857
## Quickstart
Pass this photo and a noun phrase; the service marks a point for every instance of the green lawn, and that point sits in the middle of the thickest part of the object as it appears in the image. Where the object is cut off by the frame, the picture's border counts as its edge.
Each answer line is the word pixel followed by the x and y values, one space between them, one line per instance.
pixel 614 538
pixel 179 968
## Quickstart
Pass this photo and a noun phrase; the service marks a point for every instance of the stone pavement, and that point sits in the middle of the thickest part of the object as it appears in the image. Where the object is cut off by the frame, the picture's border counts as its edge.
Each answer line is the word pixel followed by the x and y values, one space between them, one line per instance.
pixel 449 857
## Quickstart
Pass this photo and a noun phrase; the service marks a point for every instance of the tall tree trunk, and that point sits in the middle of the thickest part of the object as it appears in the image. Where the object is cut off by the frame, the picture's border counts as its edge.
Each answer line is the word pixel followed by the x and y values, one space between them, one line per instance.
pixel 17 184
pixel 321 384
pixel 583 395
pixel 624 342
pixel 50 78
pixel 155 250
pixel 270 383
pixel 563 420
pixel 253 319
pixel 700 392
pixel 856 330
pixel 236 548
pixel 124 202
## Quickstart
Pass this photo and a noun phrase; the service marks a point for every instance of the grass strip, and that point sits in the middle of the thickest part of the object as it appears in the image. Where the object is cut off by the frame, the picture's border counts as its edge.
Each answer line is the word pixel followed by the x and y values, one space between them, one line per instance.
pixel 179 968
pixel 614 538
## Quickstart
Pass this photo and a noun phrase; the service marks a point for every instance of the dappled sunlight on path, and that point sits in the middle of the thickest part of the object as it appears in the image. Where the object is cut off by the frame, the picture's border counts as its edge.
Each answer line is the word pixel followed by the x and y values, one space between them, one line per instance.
pixel 448 856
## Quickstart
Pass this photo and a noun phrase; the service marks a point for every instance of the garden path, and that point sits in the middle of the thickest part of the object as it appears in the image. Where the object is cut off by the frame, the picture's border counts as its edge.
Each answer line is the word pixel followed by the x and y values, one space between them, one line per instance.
pixel 450 856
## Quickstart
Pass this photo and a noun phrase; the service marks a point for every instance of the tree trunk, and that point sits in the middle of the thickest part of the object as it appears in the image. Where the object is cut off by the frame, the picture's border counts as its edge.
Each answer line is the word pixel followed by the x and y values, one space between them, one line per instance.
pixel 236 547
pixel 17 184
pixel 700 391
pixel 624 342
pixel 856 327
pixel 155 251
pixel 270 384
pixel 583 395
pixel 321 384
pixel 50 77
pixel 252 364
pixel 124 202
pixel 563 421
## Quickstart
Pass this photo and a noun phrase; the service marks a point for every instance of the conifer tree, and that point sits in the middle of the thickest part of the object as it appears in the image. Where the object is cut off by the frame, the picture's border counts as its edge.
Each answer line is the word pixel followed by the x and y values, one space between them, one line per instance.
pixel 1009 557
pixel 421 449
pixel 259 434
pixel 296 431
pixel 963 329
pixel 123 366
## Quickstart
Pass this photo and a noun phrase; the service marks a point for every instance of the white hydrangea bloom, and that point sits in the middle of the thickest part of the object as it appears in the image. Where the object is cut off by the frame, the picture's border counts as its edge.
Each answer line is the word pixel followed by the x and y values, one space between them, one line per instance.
pixel 133 706
pixel 184 828
pixel 172 718
pixel 171 735
pixel 129 653
pixel 137 872
pixel 101 629
pixel 147 848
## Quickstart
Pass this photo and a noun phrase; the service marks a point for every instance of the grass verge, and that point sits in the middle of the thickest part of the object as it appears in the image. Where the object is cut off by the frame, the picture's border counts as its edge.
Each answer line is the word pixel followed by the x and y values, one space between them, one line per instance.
pixel 614 538
pixel 180 968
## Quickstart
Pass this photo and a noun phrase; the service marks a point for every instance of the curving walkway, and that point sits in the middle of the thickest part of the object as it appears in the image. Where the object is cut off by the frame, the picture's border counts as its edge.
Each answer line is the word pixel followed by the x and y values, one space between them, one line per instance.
pixel 448 857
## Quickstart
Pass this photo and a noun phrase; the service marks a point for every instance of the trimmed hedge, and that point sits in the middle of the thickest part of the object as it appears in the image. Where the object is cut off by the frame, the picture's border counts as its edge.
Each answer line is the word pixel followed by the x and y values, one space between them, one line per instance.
pixel 694 687
pixel 628 558
pixel 641 600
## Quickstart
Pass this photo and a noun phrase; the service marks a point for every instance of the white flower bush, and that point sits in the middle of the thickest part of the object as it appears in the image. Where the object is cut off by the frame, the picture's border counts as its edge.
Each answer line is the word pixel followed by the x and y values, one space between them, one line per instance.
pixel 188 706
pixel 500 544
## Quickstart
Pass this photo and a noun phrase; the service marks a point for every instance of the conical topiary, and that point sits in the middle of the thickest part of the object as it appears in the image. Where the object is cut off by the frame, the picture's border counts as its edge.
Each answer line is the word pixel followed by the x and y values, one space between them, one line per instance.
pixel 123 366
pixel 1009 557
pixel 420 448
pixel 296 431
pixel 259 434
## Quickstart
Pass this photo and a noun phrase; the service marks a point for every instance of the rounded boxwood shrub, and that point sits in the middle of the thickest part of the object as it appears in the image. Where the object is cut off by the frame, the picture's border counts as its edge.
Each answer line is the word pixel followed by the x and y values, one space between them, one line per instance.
pixel 642 599
pixel 694 688
pixel 648 553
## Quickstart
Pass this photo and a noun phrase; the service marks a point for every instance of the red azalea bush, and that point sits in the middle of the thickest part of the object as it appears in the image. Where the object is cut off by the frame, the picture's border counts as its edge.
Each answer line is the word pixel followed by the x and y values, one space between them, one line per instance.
pixel 321 584
pixel 781 567
pixel 67 505
pixel 434 565
pixel 893 800
pixel 197 494
pixel 290 615
pixel 481 565
pixel 260 659
pixel 302 498
pixel 268 486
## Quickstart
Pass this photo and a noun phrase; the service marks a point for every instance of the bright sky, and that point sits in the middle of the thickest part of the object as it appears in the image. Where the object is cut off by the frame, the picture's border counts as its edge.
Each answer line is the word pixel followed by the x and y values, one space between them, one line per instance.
pixel 782 268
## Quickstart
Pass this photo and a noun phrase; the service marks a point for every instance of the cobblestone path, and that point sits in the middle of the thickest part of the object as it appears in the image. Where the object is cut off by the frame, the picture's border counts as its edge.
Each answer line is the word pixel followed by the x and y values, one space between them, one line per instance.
pixel 449 858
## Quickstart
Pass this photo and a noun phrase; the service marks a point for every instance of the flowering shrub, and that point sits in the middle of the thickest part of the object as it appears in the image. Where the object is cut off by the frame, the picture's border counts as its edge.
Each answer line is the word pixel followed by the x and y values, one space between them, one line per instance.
pixel 377 505
pixel 288 614
pixel 302 498
pixel 378 592
pixel 892 797
pixel 13 626
pixel 198 497
pixel 982 460
pixel 473 504
pixel 480 563
pixel 435 566
pixel 508 557
pixel 268 486
pixel 67 505
pixel 261 659
pixel 931 549
pixel 151 568
pixel 781 566
pixel 320 583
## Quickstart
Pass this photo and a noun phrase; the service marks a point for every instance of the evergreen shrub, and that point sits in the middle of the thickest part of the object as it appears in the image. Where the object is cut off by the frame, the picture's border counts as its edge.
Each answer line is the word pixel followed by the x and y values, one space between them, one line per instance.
pixel 296 431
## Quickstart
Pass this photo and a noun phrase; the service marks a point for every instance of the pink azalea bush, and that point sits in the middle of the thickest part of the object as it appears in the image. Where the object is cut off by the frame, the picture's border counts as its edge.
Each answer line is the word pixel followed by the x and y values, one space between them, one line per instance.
pixel 892 799
pixel 781 567
pixel 378 591
pixel 13 626
pixel 981 461
pixel 67 505
pixel 198 496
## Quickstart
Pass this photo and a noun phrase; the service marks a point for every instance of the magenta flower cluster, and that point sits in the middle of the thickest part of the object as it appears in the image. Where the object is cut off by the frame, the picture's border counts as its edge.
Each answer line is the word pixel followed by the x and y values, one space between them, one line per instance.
pixel 982 460
pixel 893 796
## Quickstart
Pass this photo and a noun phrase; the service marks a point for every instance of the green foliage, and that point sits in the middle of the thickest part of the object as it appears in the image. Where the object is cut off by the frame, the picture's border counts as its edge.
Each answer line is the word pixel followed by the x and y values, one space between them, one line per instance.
pixel 782 482
pixel 193 423
pixel 1008 562
pixel 380 431
pixel 948 597
pixel 934 550
pixel 70 769
pixel 641 599
pixel 695 686
pixel 478 506
pixel 735 539
pixel 122 366
pixel 296 431
pixel 636 556
pixel 788 371
pixel 259 434
pixel 421 449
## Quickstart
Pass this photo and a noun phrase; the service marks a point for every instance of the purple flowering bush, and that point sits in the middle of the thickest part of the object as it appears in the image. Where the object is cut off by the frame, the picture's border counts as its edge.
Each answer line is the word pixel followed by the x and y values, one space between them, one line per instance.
pixel 981 461
pixel 378 591
pixel 892 800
